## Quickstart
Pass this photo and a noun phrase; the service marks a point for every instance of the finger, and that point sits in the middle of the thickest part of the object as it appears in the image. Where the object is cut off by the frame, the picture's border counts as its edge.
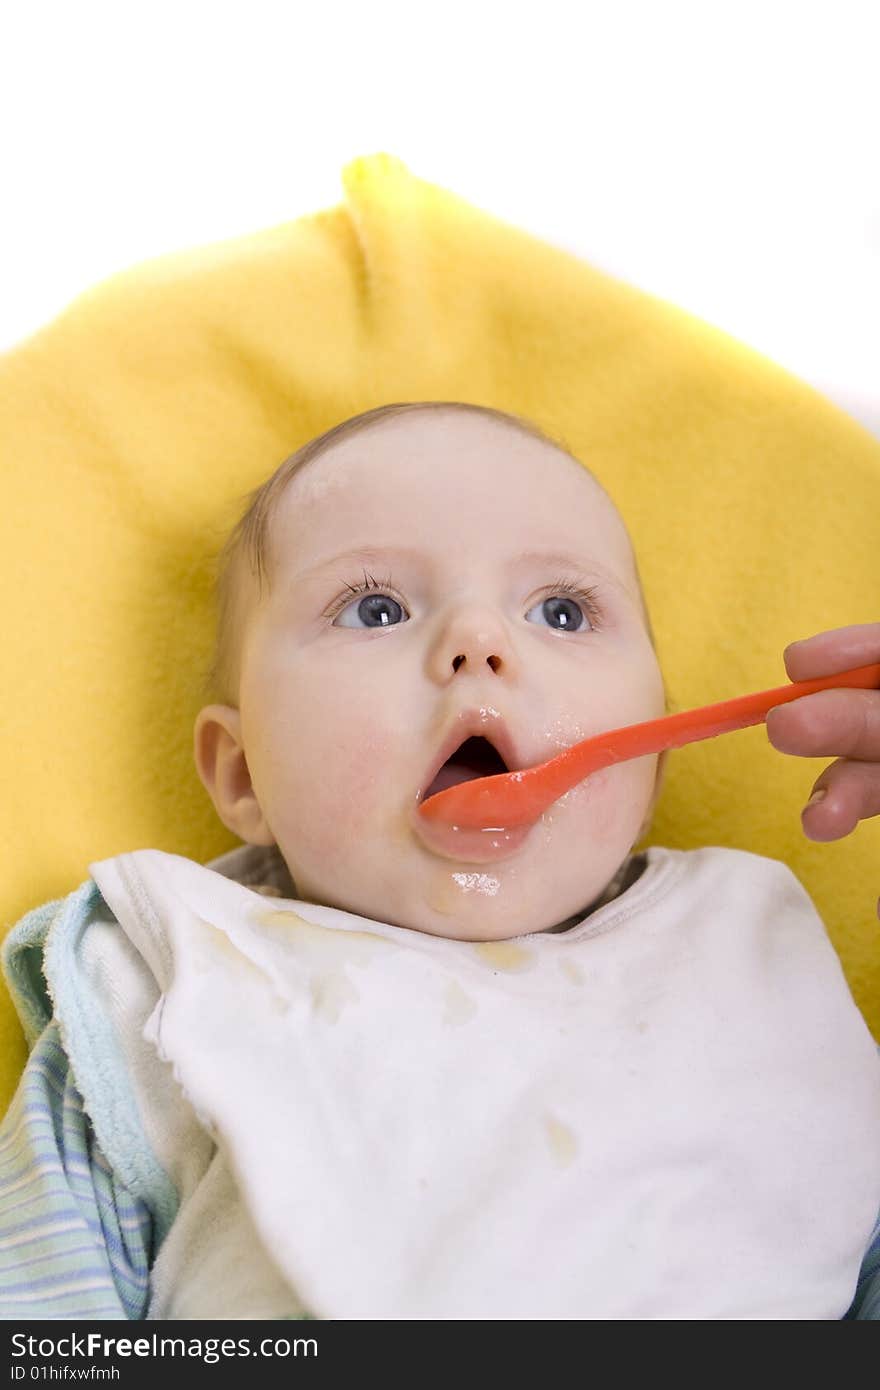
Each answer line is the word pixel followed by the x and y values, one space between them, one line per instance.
pixel 828 723
pixel 852 793
pixel 838 649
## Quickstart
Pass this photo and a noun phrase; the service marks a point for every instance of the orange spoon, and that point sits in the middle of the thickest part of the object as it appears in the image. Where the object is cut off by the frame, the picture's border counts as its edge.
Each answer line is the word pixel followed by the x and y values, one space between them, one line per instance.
pixel 518 798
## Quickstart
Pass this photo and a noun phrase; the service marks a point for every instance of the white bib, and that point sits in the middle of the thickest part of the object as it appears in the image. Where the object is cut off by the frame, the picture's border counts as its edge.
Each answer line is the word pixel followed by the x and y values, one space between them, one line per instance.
pixel 671 1110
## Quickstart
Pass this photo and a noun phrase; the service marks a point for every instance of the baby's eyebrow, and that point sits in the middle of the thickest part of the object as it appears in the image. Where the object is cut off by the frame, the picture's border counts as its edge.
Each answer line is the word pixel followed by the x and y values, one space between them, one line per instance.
pixel 373 554
pixel 582 565
pixel 558 557
pixel 370 554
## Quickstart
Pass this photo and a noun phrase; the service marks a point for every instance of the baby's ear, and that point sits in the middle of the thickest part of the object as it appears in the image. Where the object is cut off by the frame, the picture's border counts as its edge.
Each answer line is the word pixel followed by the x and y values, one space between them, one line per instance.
pixel 221 764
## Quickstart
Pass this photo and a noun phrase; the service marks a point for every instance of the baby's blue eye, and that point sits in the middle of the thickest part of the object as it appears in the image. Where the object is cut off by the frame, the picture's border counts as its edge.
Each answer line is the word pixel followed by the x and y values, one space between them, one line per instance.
pixel 375 610
pixel 566 611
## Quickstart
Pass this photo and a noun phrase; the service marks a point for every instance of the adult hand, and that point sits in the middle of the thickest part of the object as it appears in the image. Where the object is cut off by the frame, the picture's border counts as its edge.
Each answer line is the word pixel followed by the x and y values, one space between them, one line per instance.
pixel 841 723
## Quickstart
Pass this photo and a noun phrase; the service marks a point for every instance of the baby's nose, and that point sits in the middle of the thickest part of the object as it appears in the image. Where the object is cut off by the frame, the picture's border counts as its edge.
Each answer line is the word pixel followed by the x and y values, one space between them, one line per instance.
pixel 493 661
pixel 473 641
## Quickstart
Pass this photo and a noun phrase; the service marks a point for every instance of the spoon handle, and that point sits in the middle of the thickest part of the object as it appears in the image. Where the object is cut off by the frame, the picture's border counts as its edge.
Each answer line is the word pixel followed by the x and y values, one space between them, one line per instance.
pixel 675 730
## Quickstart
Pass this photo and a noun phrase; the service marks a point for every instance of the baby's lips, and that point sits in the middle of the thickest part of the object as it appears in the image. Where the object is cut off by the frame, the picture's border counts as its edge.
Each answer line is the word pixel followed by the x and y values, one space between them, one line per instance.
pixel 469 846
pixel 472 723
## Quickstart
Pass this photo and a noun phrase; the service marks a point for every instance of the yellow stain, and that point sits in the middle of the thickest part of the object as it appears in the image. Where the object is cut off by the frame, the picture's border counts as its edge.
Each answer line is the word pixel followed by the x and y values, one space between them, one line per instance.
pixel 330 994
pixel 323 954
pixel 562 1141
pixel 244 963
pixel 223 945
pixel 505 955
pixel 320 943
pixel 460 1007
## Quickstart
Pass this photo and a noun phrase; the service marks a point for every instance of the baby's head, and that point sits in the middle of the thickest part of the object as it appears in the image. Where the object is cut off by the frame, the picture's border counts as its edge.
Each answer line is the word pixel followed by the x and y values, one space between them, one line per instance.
pixel 502 583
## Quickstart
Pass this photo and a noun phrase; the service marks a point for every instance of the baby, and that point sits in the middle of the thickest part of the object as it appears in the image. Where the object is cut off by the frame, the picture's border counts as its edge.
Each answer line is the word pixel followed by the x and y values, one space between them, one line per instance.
pixel 367 1067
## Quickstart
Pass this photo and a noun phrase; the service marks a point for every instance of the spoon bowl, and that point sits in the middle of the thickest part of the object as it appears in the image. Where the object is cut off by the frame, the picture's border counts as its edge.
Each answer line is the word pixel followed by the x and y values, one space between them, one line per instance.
pixel 509 799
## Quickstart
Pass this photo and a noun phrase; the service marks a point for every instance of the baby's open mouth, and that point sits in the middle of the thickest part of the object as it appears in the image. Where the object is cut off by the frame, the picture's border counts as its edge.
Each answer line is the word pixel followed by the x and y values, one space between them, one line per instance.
pixel 476 757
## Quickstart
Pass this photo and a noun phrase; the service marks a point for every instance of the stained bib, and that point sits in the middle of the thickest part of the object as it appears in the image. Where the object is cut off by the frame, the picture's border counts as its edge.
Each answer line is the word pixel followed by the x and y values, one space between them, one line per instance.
pixel 671 1110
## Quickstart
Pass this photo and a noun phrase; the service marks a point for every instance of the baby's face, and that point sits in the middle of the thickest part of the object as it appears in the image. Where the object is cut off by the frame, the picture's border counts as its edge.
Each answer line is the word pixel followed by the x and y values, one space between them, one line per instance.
pixel 347 700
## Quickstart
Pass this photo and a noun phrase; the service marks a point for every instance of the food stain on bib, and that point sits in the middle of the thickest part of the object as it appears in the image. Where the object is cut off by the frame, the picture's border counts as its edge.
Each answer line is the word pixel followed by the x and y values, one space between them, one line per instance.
pixel 314 942
pixel 220 944
pixel 562 1142
pixel 505 955
pixel 321 954
pixel 223 945
pixel 331 993
pixel 460 1007
pixel 572 972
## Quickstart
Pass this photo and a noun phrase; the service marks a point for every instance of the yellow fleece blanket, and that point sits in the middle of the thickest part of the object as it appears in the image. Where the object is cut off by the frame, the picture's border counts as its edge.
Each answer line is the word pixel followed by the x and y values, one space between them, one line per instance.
pixel 133 424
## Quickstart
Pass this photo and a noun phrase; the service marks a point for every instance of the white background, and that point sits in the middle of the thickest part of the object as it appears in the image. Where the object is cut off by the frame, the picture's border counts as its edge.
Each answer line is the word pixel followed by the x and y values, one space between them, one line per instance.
pixel 721 155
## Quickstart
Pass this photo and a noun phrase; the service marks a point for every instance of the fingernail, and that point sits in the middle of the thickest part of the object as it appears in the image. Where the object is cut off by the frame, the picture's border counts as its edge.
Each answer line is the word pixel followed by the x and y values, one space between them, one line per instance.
pixel 818 795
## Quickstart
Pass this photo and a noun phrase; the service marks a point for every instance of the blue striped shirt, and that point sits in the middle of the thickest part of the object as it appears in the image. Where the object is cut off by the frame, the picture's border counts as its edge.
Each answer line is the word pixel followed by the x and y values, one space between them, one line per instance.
pixel 74 1243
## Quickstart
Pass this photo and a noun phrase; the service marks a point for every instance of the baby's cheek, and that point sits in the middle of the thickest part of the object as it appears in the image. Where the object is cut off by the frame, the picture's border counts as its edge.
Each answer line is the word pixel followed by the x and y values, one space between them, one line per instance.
pixel 610 803
pixel 628 795
pixel 358 780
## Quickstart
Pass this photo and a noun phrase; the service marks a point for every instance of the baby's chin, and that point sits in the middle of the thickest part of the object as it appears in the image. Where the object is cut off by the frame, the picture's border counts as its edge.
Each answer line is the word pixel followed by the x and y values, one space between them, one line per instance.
pixel 469 906
pixel 472 903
